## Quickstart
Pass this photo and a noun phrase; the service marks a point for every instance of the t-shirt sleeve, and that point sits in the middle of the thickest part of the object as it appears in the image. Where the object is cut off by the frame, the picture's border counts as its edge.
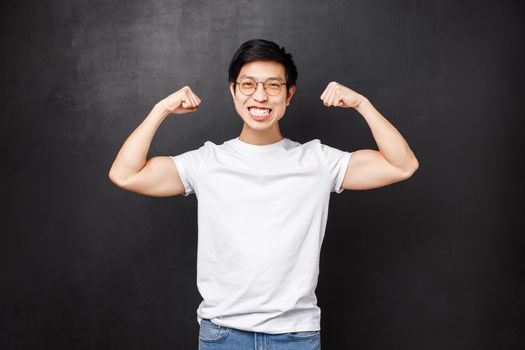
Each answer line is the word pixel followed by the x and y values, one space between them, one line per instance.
pixel 188 165
pixel 337 162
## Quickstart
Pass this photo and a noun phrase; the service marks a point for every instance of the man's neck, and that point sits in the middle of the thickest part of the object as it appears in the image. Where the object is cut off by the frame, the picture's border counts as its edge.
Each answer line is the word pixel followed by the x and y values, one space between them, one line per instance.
pixel 264 137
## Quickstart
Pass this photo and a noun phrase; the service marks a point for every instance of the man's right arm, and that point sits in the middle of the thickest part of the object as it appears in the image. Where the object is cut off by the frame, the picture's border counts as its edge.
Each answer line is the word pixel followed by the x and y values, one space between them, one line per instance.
pixel 157 176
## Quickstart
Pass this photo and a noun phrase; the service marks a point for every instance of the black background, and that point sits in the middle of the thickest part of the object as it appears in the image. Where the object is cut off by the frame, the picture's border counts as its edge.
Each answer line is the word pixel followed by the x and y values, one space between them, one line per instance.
pixel 435 262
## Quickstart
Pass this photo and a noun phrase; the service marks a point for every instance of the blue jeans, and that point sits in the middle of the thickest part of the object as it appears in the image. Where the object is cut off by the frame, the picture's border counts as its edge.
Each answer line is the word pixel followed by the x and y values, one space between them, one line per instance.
pixel 215 337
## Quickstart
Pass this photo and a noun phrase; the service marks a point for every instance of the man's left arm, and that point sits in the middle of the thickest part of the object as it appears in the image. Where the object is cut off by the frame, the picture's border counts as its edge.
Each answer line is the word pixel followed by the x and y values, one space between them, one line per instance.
pixel 367 168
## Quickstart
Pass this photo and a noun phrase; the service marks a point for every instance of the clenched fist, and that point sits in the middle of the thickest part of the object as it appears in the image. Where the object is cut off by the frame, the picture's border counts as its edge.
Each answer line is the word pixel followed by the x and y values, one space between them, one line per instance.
pixel 181 101
pixel 338 95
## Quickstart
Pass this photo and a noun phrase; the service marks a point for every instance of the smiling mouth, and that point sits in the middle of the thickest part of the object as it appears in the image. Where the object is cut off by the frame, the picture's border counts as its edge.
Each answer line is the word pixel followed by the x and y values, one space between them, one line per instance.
pixel 259 112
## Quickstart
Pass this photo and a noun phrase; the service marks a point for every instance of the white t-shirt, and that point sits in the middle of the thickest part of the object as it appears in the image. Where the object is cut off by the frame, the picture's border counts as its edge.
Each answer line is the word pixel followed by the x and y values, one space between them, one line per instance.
pixel 262 213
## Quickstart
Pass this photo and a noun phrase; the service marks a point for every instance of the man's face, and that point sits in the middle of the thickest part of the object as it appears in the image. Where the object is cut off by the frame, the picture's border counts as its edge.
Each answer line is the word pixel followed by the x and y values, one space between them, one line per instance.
pixel 261 71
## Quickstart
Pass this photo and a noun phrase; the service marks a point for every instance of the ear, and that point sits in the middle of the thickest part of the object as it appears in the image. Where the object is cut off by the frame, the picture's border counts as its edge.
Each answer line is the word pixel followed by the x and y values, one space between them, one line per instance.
pixel 291 92
pixel 232 91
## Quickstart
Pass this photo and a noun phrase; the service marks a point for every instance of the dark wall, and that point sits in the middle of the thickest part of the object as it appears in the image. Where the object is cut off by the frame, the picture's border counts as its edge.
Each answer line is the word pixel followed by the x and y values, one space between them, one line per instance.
pixel 435 262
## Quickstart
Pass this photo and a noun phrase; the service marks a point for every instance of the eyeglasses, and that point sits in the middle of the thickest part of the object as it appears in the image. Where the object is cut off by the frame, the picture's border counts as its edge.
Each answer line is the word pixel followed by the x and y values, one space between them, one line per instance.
pixel 271 86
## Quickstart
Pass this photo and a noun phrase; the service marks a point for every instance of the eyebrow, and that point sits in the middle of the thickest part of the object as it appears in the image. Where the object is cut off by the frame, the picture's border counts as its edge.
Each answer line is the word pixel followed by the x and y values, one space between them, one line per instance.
pixel 249 76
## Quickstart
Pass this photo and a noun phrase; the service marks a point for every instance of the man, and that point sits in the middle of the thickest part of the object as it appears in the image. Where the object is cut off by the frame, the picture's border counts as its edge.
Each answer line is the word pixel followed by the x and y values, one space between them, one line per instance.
pixel 262 200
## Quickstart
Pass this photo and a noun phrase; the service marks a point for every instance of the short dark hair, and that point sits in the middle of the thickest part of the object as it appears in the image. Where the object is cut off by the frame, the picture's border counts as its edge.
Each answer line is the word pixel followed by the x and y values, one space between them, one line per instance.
pixel 262 50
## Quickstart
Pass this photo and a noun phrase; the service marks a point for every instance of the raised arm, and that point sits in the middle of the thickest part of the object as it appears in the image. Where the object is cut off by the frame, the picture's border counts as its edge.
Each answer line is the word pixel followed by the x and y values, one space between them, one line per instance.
pixel 157 176
pixel 368 168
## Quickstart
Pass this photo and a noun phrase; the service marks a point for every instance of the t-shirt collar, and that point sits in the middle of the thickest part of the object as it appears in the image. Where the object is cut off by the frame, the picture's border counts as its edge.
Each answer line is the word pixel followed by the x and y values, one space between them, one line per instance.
pixel 250 147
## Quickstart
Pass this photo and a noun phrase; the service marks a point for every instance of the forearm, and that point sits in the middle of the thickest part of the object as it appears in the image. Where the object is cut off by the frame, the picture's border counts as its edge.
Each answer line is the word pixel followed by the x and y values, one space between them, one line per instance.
pixel 392 145
pixel 132 156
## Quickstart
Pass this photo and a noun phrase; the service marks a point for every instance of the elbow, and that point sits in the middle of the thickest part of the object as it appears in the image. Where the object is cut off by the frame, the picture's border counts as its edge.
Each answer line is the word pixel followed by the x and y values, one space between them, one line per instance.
pixel 115 178
pixel 112 178
pixel 411 168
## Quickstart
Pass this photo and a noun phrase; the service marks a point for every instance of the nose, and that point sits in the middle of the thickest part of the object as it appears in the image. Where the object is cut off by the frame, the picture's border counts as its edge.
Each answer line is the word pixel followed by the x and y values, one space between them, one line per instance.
pixel 260 94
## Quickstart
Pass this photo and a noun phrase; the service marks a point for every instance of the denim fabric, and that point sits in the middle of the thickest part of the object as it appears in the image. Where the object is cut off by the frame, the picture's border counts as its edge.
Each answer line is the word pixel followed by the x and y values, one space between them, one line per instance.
pixel 215 337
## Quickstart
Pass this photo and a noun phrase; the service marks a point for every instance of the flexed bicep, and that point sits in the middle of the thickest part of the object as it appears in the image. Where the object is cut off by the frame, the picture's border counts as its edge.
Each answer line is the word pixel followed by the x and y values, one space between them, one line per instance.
pixel 368 169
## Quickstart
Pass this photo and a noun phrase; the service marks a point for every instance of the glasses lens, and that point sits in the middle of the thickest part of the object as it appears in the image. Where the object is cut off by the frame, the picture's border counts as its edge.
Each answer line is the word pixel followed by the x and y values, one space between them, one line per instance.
pixel 248 86
pixel 272 87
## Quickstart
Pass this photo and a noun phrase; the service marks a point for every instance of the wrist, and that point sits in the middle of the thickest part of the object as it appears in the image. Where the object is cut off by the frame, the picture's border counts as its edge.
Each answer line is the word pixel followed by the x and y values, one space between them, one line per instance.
pixel 363 104
pixel 161 109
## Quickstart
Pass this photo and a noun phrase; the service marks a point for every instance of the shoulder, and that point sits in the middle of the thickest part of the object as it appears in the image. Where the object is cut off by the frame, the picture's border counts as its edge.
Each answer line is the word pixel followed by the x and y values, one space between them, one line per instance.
pixel 208 146
pixel 196 154
pixel 328 154
pixel 210 149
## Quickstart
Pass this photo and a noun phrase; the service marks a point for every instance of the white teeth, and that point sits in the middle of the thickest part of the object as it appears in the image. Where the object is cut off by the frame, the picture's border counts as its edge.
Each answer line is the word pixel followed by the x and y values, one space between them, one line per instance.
pixel 259 112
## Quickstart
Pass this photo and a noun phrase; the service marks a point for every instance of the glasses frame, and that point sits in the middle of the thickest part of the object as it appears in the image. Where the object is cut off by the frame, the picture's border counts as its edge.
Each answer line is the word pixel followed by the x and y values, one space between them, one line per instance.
pixel 264 88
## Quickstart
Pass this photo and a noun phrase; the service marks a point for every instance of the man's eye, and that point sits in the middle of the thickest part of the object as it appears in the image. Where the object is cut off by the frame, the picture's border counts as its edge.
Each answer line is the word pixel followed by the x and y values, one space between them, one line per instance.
pixel 247 85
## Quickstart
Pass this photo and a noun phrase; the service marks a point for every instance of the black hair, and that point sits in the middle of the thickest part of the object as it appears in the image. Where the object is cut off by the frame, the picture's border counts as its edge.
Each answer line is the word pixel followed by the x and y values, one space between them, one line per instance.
pixel 262 50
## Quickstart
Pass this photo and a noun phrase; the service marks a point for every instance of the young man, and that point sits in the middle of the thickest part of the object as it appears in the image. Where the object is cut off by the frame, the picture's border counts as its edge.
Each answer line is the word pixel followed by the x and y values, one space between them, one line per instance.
pixel 262 200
